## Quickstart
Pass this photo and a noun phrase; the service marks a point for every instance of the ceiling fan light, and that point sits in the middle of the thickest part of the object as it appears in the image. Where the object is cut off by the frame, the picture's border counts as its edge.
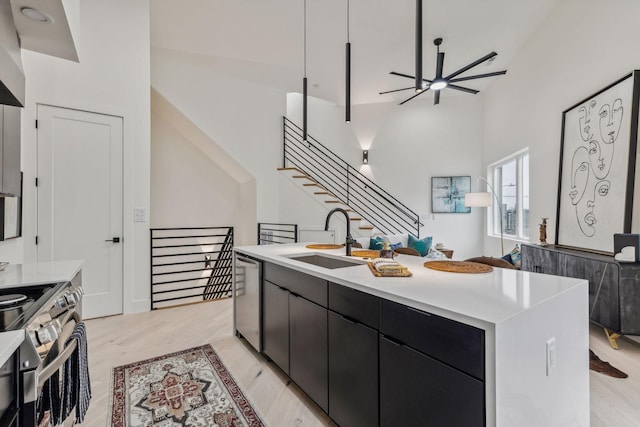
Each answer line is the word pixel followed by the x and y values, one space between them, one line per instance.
pixel 438 84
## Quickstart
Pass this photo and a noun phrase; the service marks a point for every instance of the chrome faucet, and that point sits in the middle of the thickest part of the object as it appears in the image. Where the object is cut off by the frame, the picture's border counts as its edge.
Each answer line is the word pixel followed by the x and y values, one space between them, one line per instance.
pixel 350 240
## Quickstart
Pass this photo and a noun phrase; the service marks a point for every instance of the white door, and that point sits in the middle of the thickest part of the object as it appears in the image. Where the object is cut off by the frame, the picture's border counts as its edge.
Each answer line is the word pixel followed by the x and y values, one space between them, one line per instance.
pixel 80 200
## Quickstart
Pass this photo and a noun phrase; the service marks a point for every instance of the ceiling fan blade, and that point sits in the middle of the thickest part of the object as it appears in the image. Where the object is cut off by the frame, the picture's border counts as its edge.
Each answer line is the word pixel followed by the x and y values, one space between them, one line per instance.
pixel 478 76
pixel 473 64
pixel 417 94
pixel 402 75
pixel 396 90
pixel 439 65
pixel 463 89
pixel 436 97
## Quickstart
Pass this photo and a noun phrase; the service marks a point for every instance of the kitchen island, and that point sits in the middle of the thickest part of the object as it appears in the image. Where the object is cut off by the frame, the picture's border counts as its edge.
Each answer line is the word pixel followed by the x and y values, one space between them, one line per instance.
pixel 505 348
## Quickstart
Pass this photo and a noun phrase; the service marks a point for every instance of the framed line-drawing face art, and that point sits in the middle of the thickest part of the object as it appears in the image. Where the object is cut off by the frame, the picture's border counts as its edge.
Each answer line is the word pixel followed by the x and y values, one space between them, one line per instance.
pixel 597 167
pixel 447 194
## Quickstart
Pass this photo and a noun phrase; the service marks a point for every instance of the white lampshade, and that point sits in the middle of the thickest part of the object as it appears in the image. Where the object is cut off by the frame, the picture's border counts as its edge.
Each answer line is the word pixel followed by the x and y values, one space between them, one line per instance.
pixel 477 200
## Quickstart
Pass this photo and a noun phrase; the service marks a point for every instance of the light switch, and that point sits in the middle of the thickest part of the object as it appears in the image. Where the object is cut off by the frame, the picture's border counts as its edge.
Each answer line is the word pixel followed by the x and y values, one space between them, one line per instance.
pixel 139 215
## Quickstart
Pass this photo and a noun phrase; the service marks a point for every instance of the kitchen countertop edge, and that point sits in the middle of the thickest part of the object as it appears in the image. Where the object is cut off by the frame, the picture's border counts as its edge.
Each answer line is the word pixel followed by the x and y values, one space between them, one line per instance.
pixel 483 300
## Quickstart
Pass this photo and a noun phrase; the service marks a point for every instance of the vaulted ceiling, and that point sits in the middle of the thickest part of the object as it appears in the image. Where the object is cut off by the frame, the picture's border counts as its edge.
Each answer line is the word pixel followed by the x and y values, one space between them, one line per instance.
pixel 262 40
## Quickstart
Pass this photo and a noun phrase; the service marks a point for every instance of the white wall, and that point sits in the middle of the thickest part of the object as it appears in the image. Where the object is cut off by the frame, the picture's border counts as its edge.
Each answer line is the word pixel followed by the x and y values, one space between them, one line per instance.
pixel 112 39
pixel 243 118
pixel 407 146
pixel 582 47
pixel 188 189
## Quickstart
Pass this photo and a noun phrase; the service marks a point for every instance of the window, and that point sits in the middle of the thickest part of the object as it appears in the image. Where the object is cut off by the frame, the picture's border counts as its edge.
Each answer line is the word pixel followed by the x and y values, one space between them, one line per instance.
pixel 510 180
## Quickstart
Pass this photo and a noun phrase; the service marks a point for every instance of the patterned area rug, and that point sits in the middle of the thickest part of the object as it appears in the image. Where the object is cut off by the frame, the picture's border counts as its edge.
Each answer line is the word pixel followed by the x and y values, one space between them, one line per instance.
pixel 186 388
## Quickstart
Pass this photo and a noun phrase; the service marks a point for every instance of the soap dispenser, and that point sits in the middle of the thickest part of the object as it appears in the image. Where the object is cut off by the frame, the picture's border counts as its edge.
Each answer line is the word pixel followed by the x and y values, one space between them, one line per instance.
pixel 386 251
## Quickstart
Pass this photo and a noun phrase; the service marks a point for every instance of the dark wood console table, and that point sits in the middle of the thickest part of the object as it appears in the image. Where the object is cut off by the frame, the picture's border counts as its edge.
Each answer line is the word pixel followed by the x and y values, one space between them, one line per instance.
pixel 614 287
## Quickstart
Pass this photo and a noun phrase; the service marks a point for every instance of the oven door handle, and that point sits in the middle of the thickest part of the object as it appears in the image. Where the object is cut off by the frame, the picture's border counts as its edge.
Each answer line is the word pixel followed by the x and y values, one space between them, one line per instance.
pixel 53 366
pixel 56 363
pixel 69 315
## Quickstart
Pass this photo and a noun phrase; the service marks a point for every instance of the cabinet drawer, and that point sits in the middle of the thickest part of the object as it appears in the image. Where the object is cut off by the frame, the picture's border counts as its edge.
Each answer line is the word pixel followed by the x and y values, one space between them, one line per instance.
pixel 451 342
pixel 416 390
pixel 355 305
pixel 309 287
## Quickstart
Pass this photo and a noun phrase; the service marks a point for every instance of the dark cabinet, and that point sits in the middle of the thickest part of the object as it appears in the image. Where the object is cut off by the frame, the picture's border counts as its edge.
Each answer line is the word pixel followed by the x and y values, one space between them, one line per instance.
pixel 10 147
pixel 275 326
pixel 417 390
pixel 308 364
pixel 367 361
pixel 614 288
pixel 294 328
pixel 353 372
pixel 545 262
pixel 451 342
pixel 603 280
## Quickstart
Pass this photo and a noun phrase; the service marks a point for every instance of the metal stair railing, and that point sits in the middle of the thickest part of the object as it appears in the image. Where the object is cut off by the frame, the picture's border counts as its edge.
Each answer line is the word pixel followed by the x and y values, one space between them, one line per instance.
pixel 347 184
pixel 277 233
pixel 190 264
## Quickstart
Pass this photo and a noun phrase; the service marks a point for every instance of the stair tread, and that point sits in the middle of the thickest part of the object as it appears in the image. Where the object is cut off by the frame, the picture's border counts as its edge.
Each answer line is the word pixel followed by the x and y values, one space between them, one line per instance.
pixel 366 227
pixel 323 193
pixel 311 184
pixel 289 169
pixel 332 201
pixel 303 176
pixel 355 219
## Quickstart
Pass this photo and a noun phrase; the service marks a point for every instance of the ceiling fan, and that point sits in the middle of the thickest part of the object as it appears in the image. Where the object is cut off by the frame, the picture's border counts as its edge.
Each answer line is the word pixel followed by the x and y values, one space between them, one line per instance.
pixel 440 82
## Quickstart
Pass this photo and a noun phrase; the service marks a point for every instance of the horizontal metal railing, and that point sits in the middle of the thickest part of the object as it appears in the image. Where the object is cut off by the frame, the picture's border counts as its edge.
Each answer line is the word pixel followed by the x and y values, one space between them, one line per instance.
pixel 273 233
pixel 190 264
pixel 369 200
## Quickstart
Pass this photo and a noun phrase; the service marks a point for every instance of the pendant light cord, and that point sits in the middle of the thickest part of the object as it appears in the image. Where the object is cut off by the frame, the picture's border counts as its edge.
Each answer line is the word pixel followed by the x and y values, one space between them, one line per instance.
pixel 348 10
pixel 305 38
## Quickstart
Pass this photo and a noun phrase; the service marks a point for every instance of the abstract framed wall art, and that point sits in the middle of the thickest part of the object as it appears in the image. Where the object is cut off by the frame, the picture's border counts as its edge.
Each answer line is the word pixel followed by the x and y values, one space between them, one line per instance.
pixel 597 167
pixel 447 194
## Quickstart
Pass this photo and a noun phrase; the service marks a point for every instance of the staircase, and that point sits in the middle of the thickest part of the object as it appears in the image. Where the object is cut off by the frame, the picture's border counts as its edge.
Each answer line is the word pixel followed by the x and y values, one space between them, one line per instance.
pixel 325 176
pixel 359 226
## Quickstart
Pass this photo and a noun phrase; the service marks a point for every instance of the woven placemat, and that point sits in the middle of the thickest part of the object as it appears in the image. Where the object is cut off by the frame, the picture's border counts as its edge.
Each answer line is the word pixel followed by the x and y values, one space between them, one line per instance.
pixel 323 246
pixel 367 253
pixel 458 266
pixel 403 273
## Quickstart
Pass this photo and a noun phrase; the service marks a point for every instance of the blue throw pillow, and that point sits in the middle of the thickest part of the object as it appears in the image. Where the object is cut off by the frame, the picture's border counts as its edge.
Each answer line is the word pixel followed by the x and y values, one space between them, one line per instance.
pixel 420 245
pixel 507 258
pixel 516 257
pixel 395 246
pixel 376 243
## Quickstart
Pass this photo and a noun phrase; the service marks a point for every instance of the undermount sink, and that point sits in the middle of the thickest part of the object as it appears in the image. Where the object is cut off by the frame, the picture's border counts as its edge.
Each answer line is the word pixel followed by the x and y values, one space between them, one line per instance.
pixel 326 261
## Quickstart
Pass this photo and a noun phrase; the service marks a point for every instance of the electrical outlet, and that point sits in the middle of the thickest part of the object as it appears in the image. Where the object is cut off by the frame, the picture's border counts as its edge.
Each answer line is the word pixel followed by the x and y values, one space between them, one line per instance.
pixel 551 355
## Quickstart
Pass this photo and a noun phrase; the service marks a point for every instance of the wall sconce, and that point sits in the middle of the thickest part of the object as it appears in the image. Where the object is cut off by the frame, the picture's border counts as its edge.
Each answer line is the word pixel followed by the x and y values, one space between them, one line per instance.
pixel 365 157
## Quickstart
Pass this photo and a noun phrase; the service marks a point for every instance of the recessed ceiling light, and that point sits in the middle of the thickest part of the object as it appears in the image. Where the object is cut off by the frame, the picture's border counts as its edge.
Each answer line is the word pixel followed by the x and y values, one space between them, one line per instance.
pixel 35 15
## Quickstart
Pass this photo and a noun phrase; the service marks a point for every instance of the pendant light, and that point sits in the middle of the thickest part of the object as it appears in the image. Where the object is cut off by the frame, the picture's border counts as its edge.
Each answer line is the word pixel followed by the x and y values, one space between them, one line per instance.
pixel 304 80
pixel 347 117
pixel 419 87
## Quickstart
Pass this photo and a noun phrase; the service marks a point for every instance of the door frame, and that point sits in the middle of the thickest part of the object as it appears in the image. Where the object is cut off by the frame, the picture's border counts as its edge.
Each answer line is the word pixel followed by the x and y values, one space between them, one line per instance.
pixel 135 268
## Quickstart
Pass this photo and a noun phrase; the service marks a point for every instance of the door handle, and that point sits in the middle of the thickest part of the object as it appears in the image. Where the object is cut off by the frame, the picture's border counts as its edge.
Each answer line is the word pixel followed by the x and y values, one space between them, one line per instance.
pixel 114 240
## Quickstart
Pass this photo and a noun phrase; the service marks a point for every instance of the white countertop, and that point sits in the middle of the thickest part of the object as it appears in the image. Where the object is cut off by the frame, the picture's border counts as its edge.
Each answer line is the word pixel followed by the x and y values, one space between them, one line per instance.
pixel 29 274
pixel 472 298
pixel 9 342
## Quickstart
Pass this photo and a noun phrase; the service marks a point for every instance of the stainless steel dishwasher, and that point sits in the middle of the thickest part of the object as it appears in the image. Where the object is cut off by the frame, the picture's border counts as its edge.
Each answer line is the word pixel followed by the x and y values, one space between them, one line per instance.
pixel 247 319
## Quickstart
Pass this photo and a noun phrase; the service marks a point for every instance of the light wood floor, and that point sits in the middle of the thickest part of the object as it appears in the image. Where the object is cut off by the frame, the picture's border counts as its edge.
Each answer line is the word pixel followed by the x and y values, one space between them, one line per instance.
pixel 119 340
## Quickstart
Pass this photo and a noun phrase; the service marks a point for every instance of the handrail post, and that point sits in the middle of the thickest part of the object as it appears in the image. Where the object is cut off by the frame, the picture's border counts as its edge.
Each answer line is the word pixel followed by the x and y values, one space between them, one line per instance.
pixel 348 184
pixel 284 142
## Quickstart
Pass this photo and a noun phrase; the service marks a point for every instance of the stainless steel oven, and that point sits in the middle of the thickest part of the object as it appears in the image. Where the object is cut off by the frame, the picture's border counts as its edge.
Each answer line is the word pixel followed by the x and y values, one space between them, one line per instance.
pixel 48 314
